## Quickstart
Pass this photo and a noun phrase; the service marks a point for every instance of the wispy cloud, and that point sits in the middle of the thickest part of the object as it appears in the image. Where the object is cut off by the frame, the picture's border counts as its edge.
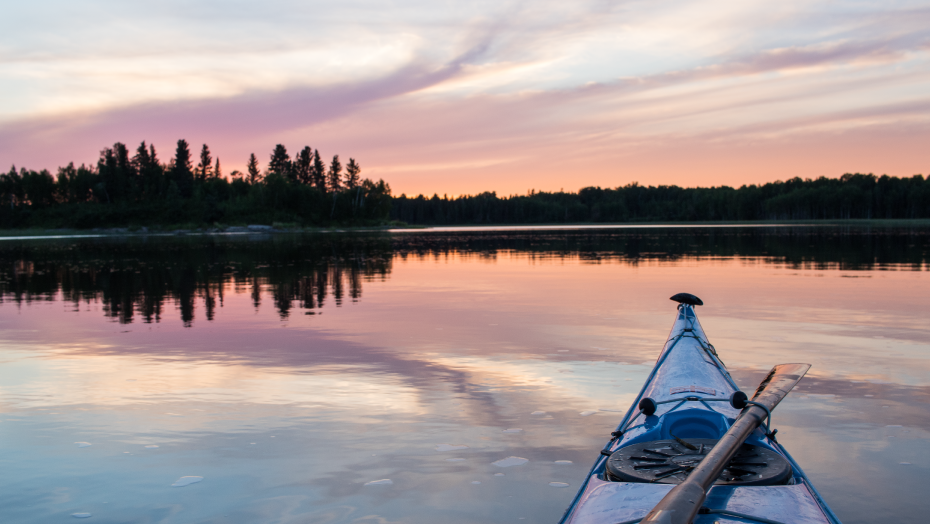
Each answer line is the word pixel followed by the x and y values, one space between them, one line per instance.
pixel 436 97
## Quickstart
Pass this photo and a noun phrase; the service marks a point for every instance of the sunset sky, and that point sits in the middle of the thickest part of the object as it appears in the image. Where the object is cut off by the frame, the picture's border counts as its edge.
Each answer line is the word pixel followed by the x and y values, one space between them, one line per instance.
pixel 463 97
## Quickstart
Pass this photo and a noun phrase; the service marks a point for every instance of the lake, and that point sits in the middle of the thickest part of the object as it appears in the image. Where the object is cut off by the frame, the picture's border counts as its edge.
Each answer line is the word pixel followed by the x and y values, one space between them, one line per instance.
pixel 376 377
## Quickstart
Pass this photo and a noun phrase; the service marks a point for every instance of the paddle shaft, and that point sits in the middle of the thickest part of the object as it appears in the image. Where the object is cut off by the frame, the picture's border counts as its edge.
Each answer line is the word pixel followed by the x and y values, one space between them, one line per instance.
pixel 681 504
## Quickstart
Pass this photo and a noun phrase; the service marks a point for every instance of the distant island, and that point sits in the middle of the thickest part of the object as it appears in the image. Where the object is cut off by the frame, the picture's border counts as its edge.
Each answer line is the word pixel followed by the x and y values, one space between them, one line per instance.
pixel 135 189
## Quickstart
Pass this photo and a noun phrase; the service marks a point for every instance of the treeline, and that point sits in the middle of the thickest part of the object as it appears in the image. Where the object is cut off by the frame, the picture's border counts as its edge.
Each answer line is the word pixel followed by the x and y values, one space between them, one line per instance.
pixel 851 196
pixel 135 188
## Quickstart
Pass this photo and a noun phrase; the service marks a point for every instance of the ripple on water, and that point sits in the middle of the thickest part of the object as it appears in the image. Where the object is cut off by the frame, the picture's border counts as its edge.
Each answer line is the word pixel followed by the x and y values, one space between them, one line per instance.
pixel 498 474
pixel 455 460
pixel 476 482
pixel 562 462
pixel 559 484
pixel 510 461
pixel 587 413
pixel 450 447
pixel 382 482
pixel 80 515
pixel 538 413
pixel 186 481
pixel 82 444
pixel 153 446
pixel 512 430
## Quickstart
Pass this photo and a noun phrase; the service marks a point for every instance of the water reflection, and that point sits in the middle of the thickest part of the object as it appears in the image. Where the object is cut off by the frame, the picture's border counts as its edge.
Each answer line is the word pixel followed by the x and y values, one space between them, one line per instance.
pixel 140 276
pixel 451 354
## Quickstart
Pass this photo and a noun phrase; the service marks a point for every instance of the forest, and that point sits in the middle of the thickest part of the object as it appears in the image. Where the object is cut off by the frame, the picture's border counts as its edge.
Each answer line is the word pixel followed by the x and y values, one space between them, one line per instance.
pixel 852 196
pixel 127 189
pixel 136 189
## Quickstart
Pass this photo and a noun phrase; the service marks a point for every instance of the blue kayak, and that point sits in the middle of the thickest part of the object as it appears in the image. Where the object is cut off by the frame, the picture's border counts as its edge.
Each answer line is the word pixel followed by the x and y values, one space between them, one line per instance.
pixel 683 427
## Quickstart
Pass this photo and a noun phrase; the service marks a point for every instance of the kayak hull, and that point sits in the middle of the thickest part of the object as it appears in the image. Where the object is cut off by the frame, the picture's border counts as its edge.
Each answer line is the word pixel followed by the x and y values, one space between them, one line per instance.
pixel 687 396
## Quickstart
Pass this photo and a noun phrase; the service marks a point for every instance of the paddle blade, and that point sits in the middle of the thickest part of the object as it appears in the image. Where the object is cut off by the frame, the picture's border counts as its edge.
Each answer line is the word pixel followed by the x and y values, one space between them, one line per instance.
pixel 778 383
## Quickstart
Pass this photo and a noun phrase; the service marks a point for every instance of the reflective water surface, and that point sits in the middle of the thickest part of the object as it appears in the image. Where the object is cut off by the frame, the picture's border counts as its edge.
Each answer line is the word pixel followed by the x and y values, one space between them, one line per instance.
pixel 437 376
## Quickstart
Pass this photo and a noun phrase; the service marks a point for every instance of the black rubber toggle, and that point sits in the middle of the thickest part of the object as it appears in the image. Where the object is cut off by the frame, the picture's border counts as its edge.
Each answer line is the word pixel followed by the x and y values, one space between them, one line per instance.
pixel 738 400
pixel 616 434
pixel 687 298
pixel 648 406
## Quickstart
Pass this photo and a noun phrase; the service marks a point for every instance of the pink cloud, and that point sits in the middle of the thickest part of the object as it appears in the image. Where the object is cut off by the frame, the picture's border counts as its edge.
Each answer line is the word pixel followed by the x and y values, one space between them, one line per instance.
pixel 603 134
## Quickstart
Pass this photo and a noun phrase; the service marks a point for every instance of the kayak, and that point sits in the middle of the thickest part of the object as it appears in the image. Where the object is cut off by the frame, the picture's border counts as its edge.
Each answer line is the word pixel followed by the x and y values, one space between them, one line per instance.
pixel 693 448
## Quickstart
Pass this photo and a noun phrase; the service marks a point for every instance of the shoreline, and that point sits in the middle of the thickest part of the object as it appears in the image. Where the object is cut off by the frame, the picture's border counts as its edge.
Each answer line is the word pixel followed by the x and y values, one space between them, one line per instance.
pixel 260 229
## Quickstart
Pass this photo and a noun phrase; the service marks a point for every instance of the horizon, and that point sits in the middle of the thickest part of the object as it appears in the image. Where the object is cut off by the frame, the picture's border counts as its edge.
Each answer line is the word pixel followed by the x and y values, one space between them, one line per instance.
pixel 481 97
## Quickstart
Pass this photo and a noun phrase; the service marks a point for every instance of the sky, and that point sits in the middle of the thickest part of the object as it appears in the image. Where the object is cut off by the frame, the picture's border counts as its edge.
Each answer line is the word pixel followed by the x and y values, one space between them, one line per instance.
pixel 464 97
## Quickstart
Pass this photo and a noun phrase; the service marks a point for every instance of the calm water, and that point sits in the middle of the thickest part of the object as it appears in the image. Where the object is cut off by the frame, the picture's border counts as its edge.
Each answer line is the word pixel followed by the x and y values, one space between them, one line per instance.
pixel 290 372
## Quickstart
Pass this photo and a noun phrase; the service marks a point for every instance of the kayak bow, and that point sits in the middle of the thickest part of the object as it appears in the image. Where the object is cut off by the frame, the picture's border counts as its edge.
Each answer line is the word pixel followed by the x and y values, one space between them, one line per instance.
pixel 694 449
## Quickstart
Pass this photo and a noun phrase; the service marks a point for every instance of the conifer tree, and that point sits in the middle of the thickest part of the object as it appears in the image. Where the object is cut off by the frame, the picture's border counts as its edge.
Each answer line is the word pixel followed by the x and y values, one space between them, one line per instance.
pixel 280 161
pixel 303 166
pixel 141 159
pixel 335 174
pixel 255 174
pixel 216 170
pixel 149 171
pixel 352 174
pixel 117 174
pixel 181 173
pixel 318 173
pixel 204 168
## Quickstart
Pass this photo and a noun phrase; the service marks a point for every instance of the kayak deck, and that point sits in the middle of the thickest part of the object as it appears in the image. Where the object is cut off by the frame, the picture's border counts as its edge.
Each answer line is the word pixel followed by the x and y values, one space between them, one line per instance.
pixel 616 502
pixel 689 389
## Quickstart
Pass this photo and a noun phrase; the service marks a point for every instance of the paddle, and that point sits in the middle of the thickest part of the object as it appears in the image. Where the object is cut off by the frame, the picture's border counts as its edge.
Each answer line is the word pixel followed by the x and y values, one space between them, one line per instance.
pixel 682 503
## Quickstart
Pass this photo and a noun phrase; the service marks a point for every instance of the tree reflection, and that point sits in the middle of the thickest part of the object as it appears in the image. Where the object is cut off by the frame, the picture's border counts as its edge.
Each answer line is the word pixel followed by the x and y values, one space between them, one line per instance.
pixel 300 274
pixel 142 277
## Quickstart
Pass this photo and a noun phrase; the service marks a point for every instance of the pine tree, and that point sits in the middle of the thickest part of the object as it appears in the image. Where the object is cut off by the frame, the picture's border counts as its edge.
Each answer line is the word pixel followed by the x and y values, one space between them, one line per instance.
pixel 335 175
pixel 206 161
pixel 303 166
pixel 352 174
pixel 181 173
pixel 318 173
pixel 254 174
pixel 141 160
pixel 117 174
pixel 149 171
pixel 216 170
pixel 280 161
